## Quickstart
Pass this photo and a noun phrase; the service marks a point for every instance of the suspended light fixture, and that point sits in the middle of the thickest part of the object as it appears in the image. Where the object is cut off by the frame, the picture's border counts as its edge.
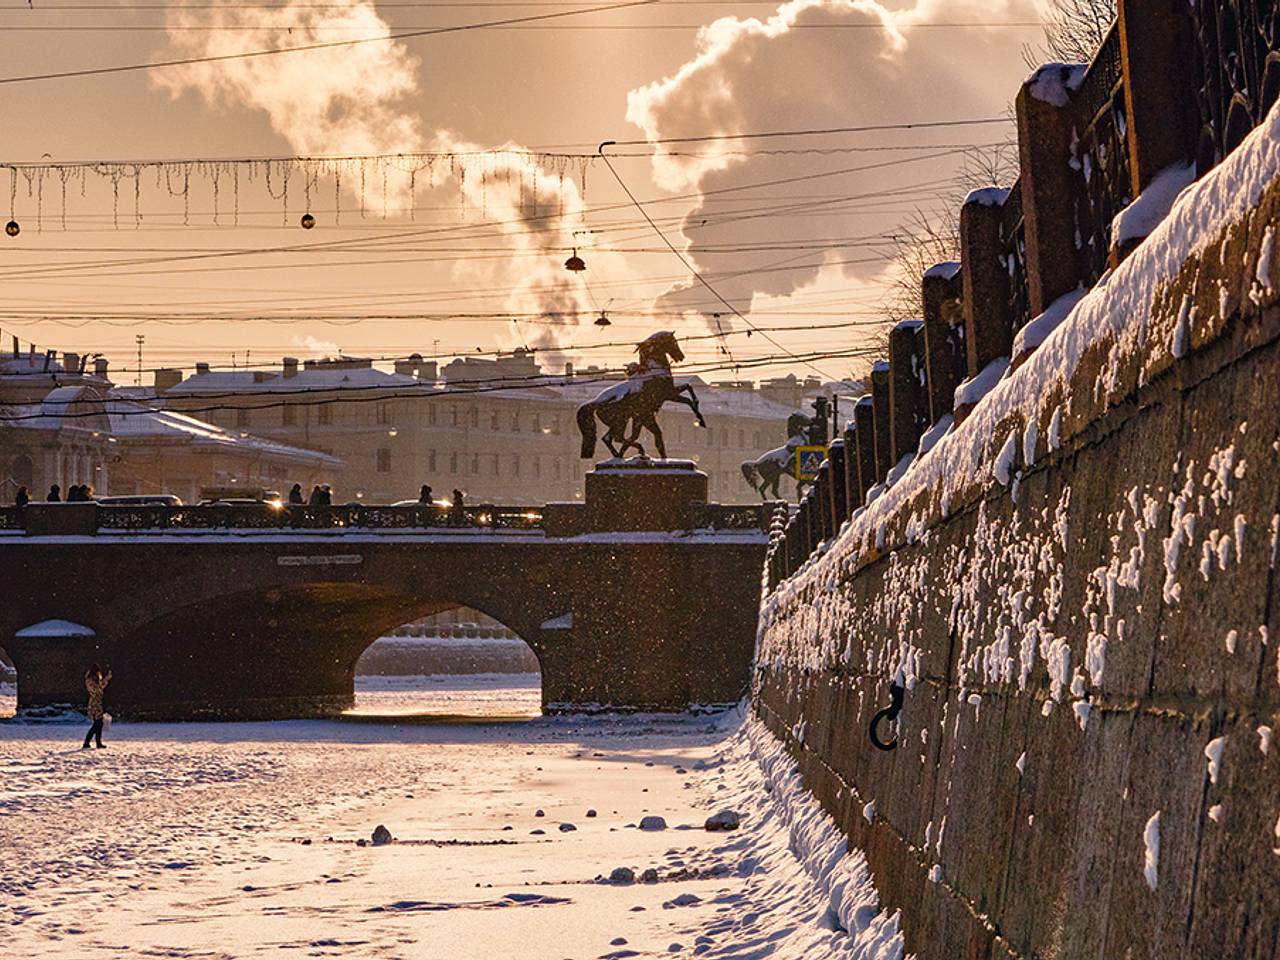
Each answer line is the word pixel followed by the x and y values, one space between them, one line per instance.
pixel 575 263
pixel 603 320
pixel 12 228
pixel 308 221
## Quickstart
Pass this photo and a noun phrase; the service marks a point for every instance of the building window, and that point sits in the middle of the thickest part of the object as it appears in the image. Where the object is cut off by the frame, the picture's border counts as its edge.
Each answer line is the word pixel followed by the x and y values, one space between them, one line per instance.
pixel 324 414
pixel 288 415
pixel 537 467
pixel 431 414
pixel 242 418
pixel 384 459
pixel 755 440
pixel 453 461
pixel 515 423
pixel 742 438
pixel 384 412
pixel 431 461
pixel 515 465
pixel 453 413
pixel 537 423
pixel 496 471
pixel 724 436
pixel 475 464
pixel 493 420
pixel 555 426
pixel 555 469
pixel 475 416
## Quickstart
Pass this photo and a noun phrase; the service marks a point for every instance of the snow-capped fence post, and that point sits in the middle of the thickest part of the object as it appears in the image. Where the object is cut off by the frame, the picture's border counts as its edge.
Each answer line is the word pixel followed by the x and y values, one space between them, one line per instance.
pixel 837 484
pixel 1159 90
pixel 908 401
pixel 849 453
pixel 944 349
pixel 1046 126
pixel 822 504
pixel 864 422
pixel 988 332
pixel 880 408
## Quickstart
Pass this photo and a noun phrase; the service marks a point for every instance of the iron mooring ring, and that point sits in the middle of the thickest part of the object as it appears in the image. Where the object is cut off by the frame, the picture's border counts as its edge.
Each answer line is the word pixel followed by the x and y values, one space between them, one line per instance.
pixel 890 713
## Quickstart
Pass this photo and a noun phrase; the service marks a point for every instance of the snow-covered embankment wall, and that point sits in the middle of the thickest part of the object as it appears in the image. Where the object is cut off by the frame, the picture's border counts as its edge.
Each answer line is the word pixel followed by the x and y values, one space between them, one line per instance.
pixel 1077 586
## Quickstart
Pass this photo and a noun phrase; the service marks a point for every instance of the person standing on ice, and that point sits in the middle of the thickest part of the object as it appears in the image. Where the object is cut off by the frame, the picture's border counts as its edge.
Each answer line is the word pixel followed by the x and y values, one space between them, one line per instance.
pixel 95 681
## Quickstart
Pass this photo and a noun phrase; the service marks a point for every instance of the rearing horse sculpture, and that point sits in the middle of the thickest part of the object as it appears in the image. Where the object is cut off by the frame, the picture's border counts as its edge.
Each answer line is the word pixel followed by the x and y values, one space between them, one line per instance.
pixel 637 399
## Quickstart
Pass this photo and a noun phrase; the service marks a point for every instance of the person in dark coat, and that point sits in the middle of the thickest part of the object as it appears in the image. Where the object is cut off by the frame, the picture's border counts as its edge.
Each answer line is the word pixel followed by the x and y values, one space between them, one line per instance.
pixel 295 495
pixel 457 512
pixel 316 497
pixel 75 493
pixel 55 494
pixel 424 495
pixel 95 682
pixel 22 498
pixel 326 495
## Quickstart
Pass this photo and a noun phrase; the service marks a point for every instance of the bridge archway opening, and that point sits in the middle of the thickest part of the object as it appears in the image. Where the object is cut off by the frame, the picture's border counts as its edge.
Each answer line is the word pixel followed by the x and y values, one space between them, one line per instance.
pixel 455 662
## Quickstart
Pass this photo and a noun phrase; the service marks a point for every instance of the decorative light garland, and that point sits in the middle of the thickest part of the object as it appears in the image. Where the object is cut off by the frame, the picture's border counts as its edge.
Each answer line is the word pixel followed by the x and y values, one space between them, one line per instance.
pixel 397 174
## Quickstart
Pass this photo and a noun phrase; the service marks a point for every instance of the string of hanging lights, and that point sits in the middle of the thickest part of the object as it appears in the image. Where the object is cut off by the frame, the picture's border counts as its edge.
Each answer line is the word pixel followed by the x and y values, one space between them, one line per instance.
pixel 377 183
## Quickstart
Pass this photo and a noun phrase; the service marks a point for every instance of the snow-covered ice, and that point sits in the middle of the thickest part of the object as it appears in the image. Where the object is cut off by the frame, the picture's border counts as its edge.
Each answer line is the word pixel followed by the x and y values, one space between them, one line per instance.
pixel 247 839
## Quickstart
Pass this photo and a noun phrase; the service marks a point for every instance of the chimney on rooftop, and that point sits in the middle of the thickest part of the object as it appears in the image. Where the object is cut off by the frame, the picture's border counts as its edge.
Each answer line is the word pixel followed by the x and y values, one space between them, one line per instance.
pixel 290 367
pixel 568 370
pixel 70 362
pixel 202 368
pixel 167 377
pixel 100 368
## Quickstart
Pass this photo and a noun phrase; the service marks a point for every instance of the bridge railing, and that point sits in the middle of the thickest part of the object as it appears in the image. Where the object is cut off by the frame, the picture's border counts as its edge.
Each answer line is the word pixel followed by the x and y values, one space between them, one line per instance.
pixel 109 518
pixel 728 517
pixel 89 518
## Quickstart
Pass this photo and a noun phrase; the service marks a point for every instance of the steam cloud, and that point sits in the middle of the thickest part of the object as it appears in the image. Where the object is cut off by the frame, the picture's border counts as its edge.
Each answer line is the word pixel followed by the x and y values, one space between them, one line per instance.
pixel 352 101
pixel 872 66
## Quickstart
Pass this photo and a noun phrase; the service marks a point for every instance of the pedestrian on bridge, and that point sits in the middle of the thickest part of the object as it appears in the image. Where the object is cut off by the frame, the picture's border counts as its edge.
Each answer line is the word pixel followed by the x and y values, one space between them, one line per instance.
pixel 95 681
pixel 295 495
pixel 22 498
pixel 424 495
pixel 55 494
pixel 316 497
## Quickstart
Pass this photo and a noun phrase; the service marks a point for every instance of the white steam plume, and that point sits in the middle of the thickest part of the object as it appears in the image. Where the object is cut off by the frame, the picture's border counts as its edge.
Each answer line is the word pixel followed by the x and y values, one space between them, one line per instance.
pixel 871 66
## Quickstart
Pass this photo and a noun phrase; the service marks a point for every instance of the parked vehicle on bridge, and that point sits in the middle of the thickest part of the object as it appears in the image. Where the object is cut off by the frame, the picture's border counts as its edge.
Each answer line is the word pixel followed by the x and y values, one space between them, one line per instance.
pixel 142 500
pixel 237 495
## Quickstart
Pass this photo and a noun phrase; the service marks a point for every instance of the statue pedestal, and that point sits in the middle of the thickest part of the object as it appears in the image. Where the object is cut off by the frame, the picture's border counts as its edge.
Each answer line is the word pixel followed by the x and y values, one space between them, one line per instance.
pixel 643 494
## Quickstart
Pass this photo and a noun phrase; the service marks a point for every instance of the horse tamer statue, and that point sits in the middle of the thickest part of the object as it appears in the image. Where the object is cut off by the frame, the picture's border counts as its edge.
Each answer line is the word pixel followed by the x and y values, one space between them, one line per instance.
pixel 637 400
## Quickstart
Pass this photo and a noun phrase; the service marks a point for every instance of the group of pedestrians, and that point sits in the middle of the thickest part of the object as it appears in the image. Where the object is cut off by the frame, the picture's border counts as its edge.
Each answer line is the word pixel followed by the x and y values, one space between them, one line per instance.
pixel 321 496
pixel 76 493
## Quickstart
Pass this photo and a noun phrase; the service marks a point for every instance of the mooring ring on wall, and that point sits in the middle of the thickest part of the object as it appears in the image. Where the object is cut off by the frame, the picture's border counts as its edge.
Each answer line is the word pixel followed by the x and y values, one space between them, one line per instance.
pixel 890 713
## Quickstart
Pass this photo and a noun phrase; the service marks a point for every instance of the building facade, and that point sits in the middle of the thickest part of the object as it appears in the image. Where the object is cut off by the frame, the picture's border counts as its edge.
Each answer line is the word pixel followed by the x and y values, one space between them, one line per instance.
pixel 66 426
pixel 496 429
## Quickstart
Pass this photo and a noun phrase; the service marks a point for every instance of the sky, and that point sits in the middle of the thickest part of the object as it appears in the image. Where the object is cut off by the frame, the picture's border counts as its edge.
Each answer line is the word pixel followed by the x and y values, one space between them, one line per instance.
pixel 436 256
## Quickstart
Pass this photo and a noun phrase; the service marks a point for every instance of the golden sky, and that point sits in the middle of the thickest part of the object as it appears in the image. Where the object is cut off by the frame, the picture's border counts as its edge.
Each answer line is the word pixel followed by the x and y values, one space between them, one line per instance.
pixel 489 238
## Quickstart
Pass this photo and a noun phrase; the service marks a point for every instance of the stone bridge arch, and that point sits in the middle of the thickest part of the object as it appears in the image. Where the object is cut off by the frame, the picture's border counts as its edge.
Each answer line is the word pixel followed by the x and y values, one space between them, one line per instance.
pixel 635 598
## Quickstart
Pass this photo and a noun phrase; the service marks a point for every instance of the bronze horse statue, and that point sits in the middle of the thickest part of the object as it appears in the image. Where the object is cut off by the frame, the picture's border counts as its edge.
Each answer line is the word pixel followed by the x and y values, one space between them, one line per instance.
pixel 636 400
pixel 764 473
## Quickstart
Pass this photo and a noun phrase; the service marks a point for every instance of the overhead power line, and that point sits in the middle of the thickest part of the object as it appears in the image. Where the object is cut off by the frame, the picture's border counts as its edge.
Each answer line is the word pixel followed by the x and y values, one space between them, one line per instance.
pixel 326 45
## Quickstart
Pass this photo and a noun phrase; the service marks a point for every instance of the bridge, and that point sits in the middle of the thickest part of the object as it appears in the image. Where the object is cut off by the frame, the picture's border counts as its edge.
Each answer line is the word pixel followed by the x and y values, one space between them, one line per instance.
pixel 642 596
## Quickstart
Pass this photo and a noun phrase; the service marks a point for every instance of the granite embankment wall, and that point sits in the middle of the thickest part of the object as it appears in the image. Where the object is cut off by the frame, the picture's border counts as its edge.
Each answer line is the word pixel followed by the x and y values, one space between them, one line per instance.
pixel 1086 624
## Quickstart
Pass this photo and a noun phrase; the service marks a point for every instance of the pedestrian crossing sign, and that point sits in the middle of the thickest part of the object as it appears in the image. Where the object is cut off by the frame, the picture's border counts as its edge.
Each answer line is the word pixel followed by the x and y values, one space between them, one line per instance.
pixel 808 460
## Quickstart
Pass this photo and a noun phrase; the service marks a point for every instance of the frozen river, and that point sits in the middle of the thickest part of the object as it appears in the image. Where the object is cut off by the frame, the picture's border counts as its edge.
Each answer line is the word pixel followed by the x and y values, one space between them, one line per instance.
pixel 240 840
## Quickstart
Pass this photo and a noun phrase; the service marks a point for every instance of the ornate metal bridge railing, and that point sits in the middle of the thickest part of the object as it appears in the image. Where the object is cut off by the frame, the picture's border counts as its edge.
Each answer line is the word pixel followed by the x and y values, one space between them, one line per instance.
pixel 1236 66
pixel 720 516
pixel 1100 156
pixel 1013 256
pixel 266 517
